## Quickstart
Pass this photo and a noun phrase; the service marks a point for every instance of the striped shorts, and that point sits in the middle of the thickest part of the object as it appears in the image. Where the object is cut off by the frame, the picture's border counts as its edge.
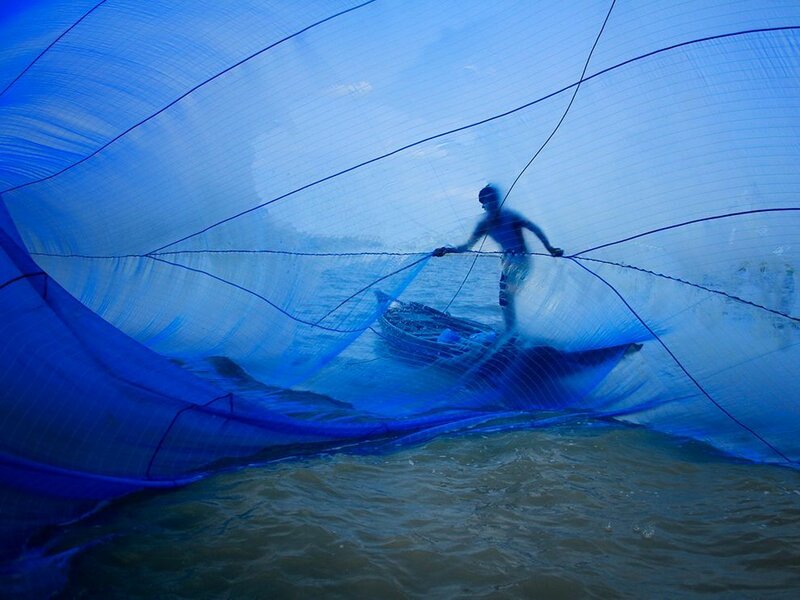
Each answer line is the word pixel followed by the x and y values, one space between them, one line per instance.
pixel 515 270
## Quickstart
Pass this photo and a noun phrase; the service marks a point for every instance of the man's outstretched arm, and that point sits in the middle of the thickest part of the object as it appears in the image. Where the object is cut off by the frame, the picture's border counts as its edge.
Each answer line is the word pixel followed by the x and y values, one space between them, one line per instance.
pixel 479 232
pixel 542 238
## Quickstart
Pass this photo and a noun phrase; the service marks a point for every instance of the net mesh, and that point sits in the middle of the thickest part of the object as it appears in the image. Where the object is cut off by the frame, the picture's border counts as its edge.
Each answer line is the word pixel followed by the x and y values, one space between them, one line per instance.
pixel 201 202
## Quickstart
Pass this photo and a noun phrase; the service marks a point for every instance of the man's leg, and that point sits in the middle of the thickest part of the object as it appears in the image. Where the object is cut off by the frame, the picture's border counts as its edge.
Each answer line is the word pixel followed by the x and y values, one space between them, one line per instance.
pixel 509 312
pixel 507 298
pixel 515 270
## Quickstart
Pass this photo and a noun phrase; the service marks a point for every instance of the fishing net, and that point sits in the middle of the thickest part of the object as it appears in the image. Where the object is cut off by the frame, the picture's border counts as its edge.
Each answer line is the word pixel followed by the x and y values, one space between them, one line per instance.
pixel 217 226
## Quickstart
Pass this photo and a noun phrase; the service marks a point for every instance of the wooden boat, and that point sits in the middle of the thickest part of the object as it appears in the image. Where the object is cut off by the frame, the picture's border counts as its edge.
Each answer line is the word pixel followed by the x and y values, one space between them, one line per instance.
pixel 424 335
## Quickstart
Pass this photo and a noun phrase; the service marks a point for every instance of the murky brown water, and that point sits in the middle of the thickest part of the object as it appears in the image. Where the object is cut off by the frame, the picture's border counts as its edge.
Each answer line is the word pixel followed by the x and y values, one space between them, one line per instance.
pixel 568 512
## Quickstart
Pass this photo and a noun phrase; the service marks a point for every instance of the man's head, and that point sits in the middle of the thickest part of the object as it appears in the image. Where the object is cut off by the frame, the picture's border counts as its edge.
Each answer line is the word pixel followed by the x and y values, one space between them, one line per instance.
pixel 489 198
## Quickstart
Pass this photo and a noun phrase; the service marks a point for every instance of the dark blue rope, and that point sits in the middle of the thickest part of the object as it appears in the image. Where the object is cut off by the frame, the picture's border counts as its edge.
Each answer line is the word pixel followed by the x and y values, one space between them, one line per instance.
pixel 287 252
pixel 542 147
pixel 407 146
pixel 469 126
pixel 366 287
pixel 478 253
pixel 88 256
pixel 691 284
pixel 685 223
pixel 569 105
pixel 229 251
pixel 22 277
pixel 683 368
pixel 253 293
pixel 190 91
pixel 281 252
pixel 286 313
pixel 53 43
pixel 175 420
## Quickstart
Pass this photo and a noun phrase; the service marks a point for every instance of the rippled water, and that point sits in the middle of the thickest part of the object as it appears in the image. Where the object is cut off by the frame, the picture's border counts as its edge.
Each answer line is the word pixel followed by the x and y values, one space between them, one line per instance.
pixel 582 510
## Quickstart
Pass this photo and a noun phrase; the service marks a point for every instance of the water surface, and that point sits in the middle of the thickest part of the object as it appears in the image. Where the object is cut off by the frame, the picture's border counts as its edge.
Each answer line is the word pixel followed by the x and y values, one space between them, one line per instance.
pixel 578 510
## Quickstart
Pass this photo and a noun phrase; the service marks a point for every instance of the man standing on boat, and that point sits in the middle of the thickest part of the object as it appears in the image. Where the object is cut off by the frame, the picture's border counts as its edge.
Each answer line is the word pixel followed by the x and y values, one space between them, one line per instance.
pixel 504 227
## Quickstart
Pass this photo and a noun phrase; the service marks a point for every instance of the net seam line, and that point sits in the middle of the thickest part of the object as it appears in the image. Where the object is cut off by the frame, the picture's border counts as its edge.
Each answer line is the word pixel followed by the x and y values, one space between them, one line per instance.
pixel 691 284
pixel 174 420
pixel 469 126
pixel 314 324
pixel 281 310
pixel 289 252
pixel 685 223
pixel 413 144
pixel 480 252
pixel 119 379
pixel 233 251
pixel 21 277
pixel 365 288
pixel 47 49
pixel 190 91
pixel 374 430
pixel 477 253
pixel 683 368
pixel 249 291
pixel 541 148
pixel 112 479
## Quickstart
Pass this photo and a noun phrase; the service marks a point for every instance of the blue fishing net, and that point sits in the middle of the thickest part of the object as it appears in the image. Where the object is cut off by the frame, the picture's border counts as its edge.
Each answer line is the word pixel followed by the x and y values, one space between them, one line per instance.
pixel 217 224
